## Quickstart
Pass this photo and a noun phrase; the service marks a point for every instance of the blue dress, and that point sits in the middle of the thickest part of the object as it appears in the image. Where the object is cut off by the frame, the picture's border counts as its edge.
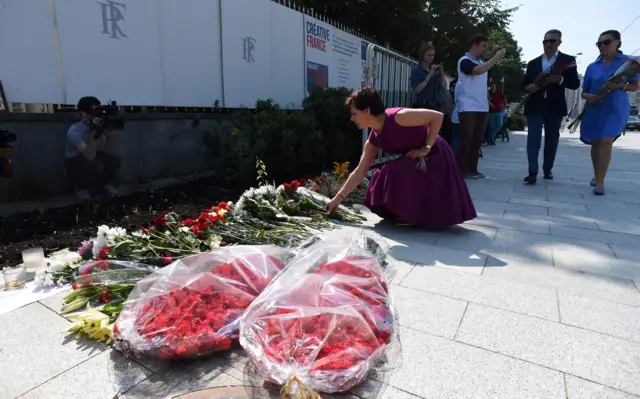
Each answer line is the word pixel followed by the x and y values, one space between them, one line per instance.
pixel 608 119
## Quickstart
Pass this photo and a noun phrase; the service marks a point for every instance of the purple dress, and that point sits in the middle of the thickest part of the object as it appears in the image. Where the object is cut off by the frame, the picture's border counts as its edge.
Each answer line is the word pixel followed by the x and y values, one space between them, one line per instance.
pixel 433 199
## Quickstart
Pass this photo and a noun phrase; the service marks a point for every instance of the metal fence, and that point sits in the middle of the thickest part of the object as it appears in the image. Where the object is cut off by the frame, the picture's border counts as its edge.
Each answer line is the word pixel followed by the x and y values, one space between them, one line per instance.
pixel 389 73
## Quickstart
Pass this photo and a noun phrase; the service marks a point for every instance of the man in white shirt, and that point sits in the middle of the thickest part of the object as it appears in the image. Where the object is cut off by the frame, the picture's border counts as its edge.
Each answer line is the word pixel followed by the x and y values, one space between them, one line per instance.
pixel 472 103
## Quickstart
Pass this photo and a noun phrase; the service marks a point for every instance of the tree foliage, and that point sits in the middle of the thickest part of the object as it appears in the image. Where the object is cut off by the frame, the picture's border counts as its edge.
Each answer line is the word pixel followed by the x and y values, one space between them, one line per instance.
pixel 405 24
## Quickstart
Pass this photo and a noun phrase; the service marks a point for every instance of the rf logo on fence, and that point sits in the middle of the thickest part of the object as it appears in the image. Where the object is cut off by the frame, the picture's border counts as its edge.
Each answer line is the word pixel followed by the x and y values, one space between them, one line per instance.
pixel 112 14
pixel 248 45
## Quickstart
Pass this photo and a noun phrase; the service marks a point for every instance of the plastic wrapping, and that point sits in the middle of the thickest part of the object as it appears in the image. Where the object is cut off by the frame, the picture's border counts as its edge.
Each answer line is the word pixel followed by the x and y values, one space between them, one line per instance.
pixel 192 307
pixel 325 320
pixel 111 272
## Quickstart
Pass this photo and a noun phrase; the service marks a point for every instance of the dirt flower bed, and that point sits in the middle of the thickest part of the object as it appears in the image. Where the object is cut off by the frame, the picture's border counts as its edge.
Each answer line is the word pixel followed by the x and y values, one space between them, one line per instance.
pixel 60 228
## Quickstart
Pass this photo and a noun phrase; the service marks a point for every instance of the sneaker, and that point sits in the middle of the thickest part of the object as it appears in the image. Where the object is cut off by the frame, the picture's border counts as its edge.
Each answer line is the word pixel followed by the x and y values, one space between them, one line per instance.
pixel 110 190
pixel 82 195
pixel 479 175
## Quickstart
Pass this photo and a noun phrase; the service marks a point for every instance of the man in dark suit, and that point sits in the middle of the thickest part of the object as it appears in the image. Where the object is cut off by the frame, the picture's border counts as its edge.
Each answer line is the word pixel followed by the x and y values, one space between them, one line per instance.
pixel 546 107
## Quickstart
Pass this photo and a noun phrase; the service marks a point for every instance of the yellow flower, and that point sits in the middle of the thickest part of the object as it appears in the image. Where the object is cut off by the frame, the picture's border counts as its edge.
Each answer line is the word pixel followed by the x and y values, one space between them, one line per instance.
pixel 341 170
pixel 92 323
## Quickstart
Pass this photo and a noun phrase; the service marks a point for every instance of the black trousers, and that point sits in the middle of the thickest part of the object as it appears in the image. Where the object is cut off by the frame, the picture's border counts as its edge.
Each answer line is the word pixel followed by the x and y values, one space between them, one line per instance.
pixel 93 174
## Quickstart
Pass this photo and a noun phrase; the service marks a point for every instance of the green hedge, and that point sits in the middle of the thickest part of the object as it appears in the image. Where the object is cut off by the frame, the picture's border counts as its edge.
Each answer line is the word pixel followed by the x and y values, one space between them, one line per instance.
pixel 291 143
pixel 517 122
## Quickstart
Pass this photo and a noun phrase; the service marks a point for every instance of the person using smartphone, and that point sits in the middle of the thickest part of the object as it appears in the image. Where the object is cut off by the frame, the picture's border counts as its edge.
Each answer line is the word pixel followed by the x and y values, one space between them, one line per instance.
pixel 430 87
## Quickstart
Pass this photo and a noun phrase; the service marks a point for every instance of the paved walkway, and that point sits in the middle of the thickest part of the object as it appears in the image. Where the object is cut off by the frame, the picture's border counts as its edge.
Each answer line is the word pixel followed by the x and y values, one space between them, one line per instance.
pixel 534 299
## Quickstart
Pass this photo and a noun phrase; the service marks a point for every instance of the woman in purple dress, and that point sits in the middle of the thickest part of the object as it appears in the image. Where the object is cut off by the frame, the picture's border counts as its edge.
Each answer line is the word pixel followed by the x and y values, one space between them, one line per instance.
pixel 433 198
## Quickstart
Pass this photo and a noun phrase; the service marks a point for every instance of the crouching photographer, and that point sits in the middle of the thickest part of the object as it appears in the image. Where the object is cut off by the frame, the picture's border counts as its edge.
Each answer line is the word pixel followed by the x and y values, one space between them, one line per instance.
pixel 91 166
pixel 6 152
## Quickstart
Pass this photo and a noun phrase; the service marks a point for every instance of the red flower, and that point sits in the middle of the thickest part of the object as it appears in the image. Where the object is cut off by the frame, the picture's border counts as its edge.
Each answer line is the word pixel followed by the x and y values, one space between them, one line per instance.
pixel 168 259
pixel 74 286
pixel 202 316
pixel 103 253
pixel 102 266
pixel 331 343
pixel 161 221
pixel 104 296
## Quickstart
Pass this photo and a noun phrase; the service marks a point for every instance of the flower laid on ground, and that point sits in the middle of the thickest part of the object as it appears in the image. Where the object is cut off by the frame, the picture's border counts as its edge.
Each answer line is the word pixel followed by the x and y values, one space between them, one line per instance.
pixel 192 308
pixel 263 215
pixel 82 296
pixel 93 324
pixel 326 319
pixel 329 186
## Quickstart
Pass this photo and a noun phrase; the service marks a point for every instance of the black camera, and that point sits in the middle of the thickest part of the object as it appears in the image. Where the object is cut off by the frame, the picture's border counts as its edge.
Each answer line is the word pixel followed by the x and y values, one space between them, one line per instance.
pixel 105 117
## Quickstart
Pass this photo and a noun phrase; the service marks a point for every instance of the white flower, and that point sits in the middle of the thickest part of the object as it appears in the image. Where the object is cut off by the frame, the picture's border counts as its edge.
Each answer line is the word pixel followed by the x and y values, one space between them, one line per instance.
pixel 43 279
pixel 106 237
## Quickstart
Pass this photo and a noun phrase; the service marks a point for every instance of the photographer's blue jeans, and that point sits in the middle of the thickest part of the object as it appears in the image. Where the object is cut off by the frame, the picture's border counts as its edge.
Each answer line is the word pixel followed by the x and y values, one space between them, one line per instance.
pixel 551 125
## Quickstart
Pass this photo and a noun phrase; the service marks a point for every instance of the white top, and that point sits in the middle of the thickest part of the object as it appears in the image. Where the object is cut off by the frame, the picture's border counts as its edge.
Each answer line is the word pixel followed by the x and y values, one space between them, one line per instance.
pixel 471 91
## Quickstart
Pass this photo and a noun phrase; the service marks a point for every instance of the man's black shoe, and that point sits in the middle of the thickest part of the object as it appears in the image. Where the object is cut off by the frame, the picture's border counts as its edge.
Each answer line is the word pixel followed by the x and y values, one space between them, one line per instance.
pixel 548 175
pixel 531 179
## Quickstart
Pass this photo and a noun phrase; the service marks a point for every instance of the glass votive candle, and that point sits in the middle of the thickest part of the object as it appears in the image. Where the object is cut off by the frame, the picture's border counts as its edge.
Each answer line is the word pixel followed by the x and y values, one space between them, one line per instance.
pixel 33 259
pixel 14 277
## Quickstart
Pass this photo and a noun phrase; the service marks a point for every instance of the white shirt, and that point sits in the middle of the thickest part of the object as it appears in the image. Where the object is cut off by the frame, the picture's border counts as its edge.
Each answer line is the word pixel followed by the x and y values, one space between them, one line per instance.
pixel 471 90
pixel 547 63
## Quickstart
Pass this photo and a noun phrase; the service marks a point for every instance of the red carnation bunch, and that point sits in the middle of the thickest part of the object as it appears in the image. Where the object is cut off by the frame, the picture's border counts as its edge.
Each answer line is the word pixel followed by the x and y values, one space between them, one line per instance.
pixel 326 323
pixel 191 308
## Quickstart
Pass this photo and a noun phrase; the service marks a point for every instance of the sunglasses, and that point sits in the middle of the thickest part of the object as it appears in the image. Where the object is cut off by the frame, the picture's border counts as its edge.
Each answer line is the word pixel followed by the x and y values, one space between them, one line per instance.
pixel 549 41
pixel 604 43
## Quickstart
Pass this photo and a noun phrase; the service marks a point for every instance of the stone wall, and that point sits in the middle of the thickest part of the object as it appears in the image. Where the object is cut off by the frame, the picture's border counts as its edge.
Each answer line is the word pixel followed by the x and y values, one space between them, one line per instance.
pixel 152 146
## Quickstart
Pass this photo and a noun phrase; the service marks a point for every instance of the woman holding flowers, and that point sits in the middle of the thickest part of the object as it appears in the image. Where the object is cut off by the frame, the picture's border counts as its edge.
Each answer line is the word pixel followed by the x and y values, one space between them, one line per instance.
pixel 424 185
pixel 605 118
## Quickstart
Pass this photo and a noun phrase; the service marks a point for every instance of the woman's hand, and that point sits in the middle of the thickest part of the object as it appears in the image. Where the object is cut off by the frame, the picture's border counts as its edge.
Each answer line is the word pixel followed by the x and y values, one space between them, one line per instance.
pixel 592 98
pixel 333 204
pixel 419 153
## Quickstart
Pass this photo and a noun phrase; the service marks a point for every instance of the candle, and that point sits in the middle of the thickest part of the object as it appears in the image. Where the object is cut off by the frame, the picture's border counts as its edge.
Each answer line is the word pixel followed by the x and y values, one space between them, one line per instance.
pixel 14 278
pixel 33 259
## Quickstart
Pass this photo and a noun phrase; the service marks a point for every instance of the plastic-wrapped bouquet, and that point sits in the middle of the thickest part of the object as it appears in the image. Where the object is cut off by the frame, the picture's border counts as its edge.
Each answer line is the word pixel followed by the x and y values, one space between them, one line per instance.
pixel 192 307
pixel 324 321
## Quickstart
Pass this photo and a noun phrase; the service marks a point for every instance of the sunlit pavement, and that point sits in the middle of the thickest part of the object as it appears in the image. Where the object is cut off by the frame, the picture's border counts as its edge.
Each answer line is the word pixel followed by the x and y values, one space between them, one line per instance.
pixel 536 298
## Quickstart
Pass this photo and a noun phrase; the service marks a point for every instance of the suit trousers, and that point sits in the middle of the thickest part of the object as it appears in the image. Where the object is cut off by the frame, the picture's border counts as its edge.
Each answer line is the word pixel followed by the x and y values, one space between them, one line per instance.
pixel 551 124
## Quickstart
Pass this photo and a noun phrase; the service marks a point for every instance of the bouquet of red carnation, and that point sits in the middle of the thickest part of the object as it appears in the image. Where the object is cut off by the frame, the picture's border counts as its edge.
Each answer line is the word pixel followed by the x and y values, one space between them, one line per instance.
pixel 324 322
pixel 192 307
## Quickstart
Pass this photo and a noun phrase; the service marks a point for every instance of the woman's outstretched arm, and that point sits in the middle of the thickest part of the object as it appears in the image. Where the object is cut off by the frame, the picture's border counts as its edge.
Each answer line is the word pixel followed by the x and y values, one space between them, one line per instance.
pixel 356 177
pixel 360 172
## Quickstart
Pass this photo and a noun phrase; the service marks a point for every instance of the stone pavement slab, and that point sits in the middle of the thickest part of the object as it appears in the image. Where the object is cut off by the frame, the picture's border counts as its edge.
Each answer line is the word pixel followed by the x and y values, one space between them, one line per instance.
pixel 538 297
pixel 596 357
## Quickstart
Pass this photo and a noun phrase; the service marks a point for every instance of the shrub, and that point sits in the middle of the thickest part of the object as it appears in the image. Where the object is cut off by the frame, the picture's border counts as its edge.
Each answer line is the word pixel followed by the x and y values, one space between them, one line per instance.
pixel 342 139
pixel 288 142
pixel 517 122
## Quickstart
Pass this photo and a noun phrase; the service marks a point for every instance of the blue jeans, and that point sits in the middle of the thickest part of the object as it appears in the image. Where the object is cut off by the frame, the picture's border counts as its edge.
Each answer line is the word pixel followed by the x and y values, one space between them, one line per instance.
pixel 551 125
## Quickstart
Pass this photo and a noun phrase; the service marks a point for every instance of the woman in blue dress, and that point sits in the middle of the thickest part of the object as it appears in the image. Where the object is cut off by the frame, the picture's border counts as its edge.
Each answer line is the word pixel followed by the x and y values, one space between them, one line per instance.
pixel 605 119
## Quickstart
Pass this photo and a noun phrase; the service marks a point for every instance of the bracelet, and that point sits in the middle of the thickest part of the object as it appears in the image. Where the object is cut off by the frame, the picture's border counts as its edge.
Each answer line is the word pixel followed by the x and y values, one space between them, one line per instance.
pixel 341 196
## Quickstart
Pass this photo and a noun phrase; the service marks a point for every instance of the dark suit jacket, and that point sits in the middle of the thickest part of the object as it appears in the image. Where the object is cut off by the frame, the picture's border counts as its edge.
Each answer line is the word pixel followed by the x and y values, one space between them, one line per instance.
pixel 555 103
